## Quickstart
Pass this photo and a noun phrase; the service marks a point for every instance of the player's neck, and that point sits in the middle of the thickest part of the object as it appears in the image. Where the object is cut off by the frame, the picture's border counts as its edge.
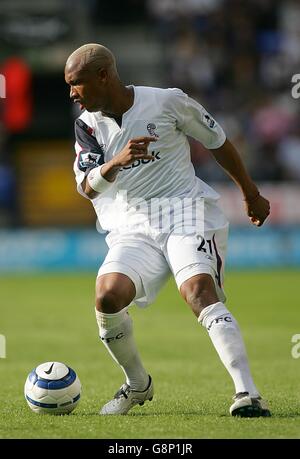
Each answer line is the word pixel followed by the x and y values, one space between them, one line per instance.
pixel 122 100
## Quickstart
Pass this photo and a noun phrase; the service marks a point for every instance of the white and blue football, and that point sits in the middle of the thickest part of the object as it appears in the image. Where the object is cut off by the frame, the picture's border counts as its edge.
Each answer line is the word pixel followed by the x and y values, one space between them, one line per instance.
pixel 52 387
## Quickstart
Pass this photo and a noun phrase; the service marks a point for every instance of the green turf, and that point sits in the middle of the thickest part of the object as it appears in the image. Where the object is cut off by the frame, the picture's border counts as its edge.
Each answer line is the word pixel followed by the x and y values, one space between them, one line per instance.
pixel 49 317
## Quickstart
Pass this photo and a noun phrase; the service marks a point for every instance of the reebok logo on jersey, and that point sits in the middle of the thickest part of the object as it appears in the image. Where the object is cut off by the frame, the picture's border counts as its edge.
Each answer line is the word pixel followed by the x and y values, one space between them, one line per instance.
pixel 138 162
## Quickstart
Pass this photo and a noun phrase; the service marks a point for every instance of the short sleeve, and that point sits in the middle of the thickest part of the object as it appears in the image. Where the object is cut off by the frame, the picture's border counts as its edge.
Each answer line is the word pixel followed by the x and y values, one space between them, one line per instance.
pixel 89 154
pixel 195 121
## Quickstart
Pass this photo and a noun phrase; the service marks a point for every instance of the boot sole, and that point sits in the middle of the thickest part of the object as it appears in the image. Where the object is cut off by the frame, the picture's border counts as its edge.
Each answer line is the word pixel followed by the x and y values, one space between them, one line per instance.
pixel 250 412
pixel 150 400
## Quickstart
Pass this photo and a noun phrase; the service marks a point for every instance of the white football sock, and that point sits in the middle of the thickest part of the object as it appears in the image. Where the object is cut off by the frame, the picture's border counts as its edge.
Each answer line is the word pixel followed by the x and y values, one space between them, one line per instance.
pixel 225 334
pixel 117 336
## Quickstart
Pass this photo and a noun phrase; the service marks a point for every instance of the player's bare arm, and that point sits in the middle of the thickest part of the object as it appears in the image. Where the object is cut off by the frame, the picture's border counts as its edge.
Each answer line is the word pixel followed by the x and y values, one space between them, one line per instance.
pixel 135 149
pixel 257 207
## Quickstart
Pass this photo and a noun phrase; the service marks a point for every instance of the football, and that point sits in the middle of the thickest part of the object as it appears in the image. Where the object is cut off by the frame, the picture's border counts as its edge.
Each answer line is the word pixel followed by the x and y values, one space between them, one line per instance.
pixel 52 387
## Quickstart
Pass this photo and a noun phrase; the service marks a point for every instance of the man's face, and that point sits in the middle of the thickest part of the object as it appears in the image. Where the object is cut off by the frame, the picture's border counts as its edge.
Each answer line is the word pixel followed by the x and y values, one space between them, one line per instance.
pixel 87 87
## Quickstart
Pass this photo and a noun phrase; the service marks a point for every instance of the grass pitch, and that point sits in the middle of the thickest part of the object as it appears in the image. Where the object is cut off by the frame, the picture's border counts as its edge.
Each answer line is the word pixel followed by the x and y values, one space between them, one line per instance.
pixel 51 317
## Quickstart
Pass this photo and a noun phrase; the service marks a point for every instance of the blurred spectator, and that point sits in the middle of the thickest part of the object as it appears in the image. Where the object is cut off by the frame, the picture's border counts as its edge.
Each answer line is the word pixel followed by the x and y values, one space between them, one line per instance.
pixel 289 154
pixel 270 121
pixel 237 59
pixel 190 66
pixel 17 105
pixel 8 214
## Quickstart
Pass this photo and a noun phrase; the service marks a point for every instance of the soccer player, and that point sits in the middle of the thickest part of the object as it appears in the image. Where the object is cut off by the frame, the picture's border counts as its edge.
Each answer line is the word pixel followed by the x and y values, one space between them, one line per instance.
pixel 133 163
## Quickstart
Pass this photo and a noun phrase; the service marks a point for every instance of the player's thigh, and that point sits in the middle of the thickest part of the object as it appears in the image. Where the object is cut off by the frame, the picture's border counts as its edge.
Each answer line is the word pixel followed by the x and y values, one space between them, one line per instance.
pixel 143 264
pixel 191 254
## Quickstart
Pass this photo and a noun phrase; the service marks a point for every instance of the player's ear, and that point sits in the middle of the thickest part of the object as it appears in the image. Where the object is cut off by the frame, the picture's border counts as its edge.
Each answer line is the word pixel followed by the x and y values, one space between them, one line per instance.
pixel 102 74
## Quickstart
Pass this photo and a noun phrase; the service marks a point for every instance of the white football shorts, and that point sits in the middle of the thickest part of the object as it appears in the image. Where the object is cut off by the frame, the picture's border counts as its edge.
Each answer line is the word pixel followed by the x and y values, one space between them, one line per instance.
pixel 149 261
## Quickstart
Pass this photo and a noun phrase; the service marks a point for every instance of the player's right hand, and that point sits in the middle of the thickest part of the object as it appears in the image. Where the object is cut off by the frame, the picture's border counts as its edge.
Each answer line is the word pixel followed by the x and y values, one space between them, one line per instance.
pixel 135 149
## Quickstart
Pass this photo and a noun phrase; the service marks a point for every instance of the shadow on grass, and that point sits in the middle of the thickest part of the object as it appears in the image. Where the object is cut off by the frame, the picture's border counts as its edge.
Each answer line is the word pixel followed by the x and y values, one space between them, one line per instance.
pixel 156 414
pixel 202 413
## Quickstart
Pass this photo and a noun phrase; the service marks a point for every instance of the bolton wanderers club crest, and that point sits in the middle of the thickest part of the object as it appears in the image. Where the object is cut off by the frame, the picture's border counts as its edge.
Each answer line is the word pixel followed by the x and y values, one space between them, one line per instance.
pixel 151 129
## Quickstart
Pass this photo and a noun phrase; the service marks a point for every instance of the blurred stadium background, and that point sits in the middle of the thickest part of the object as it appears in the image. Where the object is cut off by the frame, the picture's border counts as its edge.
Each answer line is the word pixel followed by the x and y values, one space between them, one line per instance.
pixel 236 57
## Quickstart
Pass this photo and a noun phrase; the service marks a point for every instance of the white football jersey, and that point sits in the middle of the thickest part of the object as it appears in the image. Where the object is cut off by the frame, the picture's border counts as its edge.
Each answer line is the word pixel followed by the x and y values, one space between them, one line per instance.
pixel 170 116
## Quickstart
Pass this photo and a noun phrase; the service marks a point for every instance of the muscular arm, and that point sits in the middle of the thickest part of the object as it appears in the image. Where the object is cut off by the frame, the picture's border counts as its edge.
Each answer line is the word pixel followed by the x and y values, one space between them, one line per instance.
pixel 257 207
pixel 231 162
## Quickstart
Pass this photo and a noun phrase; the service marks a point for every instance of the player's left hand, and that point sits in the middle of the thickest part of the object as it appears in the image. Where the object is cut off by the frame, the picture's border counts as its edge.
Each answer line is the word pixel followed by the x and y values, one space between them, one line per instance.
pixel 257 209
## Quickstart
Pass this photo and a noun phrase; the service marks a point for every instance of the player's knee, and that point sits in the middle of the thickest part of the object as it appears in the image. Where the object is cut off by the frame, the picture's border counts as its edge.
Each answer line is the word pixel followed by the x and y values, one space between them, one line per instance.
pixel 199 292
pixel 114 291
pixel 109 302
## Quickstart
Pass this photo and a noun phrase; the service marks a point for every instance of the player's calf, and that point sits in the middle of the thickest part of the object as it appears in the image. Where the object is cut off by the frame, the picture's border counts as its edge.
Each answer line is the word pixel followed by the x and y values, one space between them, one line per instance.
pixel 223 330
pixel 199 292
pixel 114 292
